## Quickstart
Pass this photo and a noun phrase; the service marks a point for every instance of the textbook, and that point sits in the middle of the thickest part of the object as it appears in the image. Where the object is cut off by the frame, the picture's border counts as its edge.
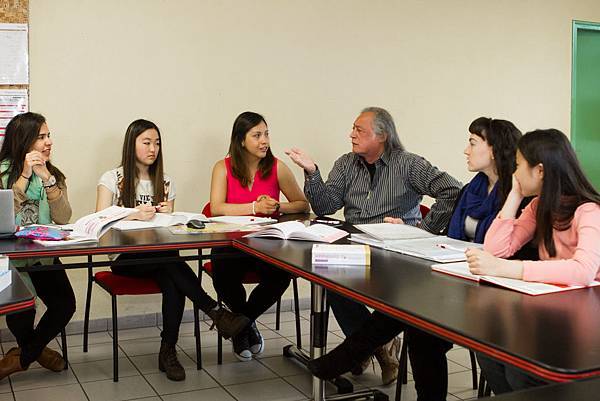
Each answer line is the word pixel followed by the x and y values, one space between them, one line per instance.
pixel 298 231
pixel 349 255
pixel 91 227
pixel 160 220
pixel 437 247
pixel 461 269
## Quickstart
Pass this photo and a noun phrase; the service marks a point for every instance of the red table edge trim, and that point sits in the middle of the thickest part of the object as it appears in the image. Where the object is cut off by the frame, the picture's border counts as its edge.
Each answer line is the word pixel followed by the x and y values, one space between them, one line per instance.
pixel 18 306
pixel 102 251
pixel 423 324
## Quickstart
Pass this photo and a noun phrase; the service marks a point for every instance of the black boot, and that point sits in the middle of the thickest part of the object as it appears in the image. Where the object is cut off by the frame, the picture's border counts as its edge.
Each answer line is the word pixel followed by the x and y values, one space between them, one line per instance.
pixel 228 323
pixel 343 358
pixel 168 362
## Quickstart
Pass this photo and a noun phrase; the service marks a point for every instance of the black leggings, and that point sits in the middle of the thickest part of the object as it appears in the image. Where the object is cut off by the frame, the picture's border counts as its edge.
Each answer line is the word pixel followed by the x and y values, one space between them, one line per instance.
pixel 227 279
pixel 54 289
pixel 176 281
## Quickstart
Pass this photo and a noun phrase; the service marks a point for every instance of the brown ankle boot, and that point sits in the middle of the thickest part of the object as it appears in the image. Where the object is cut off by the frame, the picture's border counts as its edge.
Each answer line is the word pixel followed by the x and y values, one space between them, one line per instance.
pixel 48 359
pixel 387 356
pixel 11 363
pixel 168 362
pixel 51 360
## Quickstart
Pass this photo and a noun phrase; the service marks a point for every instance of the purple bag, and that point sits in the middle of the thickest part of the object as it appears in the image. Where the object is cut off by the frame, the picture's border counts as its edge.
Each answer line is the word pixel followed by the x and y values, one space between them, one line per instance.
pixel 42 232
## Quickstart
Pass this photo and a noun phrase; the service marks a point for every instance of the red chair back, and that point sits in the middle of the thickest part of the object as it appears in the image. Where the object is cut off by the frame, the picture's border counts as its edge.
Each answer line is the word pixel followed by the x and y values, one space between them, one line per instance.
pixel 206 210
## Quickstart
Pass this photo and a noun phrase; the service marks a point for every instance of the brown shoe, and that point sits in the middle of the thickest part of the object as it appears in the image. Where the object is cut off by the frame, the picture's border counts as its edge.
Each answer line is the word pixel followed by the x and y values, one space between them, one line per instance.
pixel 387 356
pixel 51 360
pixel 10 364
pixel 168 362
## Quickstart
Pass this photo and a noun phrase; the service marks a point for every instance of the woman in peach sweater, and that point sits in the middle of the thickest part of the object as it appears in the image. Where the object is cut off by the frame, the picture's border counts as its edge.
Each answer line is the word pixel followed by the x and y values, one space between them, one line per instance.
pixel 564 219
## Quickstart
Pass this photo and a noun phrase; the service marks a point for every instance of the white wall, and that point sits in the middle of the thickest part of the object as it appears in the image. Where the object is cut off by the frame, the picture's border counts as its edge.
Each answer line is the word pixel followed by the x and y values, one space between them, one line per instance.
pixel 309 66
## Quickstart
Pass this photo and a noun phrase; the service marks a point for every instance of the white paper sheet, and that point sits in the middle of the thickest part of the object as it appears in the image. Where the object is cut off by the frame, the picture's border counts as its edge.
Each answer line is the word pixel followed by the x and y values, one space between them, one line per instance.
pixel 14 54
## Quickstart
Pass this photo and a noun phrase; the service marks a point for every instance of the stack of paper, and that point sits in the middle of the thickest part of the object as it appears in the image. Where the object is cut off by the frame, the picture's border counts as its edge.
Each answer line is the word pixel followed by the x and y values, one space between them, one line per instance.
pixel 413 241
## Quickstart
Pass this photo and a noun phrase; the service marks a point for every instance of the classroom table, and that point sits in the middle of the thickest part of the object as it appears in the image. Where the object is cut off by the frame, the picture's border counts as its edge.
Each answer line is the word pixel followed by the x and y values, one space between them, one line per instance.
pixel 16 297
pixel 555 337
pixel 579 390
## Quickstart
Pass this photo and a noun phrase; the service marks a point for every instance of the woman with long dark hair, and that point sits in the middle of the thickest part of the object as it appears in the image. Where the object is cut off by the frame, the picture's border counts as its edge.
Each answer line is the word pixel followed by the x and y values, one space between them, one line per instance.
pixel 248 182
pixel 139 182
pixel 40 193
pixel 564 220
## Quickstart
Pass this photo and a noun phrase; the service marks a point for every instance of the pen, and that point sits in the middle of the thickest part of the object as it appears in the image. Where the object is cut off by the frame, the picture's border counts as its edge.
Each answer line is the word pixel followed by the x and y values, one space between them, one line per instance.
pixel 450 247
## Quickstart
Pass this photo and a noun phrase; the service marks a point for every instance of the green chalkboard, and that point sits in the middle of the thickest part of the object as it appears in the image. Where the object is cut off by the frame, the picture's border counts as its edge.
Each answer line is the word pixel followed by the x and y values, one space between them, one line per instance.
pixel 585 97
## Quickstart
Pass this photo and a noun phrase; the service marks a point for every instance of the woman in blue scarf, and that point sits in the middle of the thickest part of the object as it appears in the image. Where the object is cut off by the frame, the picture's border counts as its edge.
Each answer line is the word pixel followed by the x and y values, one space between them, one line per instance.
pixel 491 154
pixel 40 196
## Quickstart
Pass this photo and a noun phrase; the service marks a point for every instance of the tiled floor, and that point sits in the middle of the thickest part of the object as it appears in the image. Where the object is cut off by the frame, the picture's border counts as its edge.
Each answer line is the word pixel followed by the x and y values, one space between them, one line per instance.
pixel 270 377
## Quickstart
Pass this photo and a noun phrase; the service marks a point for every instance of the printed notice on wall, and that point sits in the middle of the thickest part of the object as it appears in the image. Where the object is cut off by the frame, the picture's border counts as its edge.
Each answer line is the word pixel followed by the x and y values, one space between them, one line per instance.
pixel 12 102
pixel 14 67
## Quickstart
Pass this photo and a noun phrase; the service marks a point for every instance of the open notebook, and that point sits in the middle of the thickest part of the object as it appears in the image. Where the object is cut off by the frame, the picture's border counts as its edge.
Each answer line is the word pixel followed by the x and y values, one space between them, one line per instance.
pixel 461 269
pixel 432 247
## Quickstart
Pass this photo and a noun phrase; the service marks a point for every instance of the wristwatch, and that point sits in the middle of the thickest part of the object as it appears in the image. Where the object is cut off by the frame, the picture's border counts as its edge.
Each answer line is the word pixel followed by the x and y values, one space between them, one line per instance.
pixel 50 183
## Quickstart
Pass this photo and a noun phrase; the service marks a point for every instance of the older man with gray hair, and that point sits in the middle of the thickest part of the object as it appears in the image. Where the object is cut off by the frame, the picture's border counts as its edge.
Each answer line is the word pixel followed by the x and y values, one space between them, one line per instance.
pixel 378 182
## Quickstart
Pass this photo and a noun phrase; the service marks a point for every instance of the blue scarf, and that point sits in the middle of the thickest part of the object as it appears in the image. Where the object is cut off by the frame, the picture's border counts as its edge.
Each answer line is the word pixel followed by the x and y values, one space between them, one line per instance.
pixel 478 204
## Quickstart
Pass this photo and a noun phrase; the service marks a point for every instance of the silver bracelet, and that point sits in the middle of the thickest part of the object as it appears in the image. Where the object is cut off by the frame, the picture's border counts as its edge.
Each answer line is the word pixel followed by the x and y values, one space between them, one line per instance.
pixel 253 212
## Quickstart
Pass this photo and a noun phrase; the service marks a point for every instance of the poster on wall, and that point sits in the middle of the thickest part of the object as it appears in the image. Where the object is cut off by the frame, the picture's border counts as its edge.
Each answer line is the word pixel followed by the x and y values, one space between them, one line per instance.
pixel 12 102
pixel 14 65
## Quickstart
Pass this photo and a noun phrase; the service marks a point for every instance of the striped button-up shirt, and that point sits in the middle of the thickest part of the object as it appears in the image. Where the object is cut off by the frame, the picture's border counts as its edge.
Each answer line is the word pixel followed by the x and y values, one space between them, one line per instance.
pixel 397 188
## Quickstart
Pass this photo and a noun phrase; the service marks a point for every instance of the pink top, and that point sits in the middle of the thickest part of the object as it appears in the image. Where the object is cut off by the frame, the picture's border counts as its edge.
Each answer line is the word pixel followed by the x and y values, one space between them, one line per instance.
pixel 236 193
pixel 577 260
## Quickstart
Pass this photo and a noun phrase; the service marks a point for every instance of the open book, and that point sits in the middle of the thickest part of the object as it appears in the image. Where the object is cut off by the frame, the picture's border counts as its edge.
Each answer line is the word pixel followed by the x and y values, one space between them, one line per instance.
pixel 436 247
pixel 298 231
pixel 91 227
pixel 461 269
pixel 160 220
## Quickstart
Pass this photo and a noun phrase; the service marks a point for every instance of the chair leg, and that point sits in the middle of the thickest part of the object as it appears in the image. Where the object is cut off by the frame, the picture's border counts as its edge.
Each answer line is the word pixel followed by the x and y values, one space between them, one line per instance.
pixel 115 329
pixel 297 310
pixel 219 340
pixel 403 373
pixel 473 369
pixel 198 340
pixel 398 388
pixel 278 315
pixel 482 386
pixel 88 300
pixel 63 339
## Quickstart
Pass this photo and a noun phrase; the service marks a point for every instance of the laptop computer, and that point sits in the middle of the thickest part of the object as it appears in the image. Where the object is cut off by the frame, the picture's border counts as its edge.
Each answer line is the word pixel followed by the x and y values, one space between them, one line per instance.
pixel 7 213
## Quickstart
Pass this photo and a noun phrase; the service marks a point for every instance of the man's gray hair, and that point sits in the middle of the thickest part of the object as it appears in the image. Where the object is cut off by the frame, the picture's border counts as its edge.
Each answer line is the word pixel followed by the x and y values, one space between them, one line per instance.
pixel 383 125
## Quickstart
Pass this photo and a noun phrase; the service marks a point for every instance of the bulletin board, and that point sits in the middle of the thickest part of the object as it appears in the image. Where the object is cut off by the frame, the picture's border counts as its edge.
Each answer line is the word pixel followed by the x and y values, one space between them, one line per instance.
pixel 14 98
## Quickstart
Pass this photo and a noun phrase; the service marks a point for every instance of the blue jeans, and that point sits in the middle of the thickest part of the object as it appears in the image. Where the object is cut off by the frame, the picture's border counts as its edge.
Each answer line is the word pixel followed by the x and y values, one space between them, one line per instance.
pixel 504 378
pixel 349 314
